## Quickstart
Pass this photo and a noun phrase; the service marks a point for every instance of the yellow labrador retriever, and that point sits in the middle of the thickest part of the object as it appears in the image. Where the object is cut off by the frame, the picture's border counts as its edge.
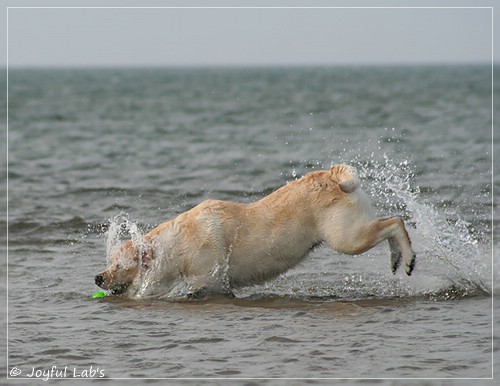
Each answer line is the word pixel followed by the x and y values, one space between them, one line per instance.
pixel 255 242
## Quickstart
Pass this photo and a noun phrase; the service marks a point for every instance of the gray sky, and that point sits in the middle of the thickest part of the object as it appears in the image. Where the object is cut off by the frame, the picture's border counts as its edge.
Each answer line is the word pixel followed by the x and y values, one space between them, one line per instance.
pixel 145 37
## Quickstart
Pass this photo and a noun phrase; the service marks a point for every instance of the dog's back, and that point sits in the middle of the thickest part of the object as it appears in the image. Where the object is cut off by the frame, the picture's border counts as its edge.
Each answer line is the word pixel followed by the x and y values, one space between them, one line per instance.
pixel 261 240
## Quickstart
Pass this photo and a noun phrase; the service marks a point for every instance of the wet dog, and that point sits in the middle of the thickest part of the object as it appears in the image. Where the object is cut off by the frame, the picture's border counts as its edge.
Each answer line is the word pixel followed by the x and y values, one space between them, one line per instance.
pixel 246 244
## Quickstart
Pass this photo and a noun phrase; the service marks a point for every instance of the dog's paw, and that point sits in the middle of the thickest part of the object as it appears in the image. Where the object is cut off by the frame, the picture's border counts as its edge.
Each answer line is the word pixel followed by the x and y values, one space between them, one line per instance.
pixel 395 261
pixel 409 267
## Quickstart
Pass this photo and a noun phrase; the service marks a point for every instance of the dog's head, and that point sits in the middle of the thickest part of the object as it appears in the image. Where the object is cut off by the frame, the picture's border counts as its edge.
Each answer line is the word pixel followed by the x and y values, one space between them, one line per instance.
pixel 125 264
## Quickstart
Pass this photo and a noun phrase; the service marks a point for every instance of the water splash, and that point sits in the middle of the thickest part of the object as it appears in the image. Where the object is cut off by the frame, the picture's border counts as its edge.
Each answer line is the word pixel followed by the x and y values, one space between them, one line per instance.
pixel 121 228
pixel 451 263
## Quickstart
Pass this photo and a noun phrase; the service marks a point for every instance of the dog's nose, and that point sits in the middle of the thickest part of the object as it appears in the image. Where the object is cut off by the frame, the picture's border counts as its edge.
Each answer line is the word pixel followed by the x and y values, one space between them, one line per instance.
pixel 99 279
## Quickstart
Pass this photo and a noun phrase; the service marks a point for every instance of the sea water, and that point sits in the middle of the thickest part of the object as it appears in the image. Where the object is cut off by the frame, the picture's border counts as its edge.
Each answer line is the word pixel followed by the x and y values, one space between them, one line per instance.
pixel 100 156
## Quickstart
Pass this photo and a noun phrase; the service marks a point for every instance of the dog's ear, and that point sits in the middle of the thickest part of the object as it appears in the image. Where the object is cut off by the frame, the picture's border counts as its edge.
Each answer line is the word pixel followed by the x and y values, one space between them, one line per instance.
pixel 146 259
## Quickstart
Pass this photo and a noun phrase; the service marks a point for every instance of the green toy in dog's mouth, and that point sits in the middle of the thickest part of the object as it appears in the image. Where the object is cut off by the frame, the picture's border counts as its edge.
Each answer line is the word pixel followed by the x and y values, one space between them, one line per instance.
pixel 99 294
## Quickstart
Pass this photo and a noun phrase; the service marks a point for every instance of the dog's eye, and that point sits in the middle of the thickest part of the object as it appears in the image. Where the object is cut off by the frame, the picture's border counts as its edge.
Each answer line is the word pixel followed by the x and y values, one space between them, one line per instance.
pixel 118 266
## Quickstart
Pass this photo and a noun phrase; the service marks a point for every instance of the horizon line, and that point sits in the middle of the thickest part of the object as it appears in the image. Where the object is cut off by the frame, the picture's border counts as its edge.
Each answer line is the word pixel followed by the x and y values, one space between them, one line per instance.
pixel 246 65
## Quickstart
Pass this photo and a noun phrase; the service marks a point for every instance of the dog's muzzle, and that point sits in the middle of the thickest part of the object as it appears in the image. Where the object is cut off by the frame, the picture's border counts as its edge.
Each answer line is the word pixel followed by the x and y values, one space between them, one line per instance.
pixel 116 289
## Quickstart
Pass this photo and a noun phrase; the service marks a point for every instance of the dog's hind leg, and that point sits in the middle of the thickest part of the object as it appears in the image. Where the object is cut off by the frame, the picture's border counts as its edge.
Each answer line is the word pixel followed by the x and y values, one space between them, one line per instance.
pixel 393 229
pixel 395 250
pixel 396 254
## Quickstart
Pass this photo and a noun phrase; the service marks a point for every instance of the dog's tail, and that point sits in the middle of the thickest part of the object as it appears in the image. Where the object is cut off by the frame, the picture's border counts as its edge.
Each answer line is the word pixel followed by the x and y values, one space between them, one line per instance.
pixel 347 177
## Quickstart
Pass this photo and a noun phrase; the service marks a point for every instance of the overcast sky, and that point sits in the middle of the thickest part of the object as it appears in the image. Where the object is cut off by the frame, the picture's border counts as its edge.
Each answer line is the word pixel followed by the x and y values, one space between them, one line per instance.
pixel 166 37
